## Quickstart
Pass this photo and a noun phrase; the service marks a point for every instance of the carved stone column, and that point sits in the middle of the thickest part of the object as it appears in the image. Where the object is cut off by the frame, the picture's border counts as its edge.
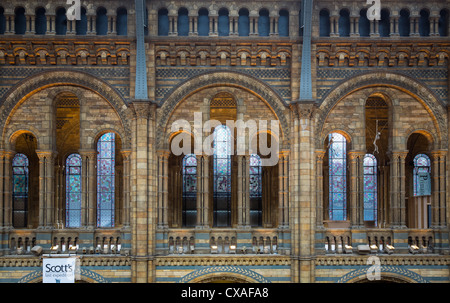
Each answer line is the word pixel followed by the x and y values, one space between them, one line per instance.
pixel 283 189
pixel 46 188
pixel 356 188
pixel 397 189
pixel 126 188
pixel 163 188
pixel 320 154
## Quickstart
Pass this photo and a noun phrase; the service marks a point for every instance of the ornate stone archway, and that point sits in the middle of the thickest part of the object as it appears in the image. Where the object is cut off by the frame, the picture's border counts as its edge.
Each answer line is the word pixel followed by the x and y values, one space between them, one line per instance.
pixel 412 87
pixel 216 79
pixel 53 78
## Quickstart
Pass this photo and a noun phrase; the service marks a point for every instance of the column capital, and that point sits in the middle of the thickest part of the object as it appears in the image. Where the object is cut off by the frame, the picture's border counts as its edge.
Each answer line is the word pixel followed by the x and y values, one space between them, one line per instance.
pixel 46 154
pixel 163 153
pixel 320 154
pixel 353 154
pixel 126 154
pixel 7 153
pixel 303 109
pixel 398 153
pixel 89 153
pixel 438 153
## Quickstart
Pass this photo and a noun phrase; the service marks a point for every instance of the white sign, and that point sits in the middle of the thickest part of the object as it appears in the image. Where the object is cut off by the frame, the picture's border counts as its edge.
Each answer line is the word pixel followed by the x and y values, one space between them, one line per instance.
pixel 59 270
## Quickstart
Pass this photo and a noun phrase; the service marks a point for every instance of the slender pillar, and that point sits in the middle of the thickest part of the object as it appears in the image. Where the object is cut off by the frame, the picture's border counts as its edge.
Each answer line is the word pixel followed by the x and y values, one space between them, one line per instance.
pixel 163 188
pixel 126 188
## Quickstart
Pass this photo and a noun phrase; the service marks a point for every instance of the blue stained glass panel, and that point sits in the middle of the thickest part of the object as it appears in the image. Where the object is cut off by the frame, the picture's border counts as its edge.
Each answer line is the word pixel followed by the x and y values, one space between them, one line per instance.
pixel 106 180
pixel 422 175
pixel 337 159
pixel 370 188
pixel 73 190
pixel 20 190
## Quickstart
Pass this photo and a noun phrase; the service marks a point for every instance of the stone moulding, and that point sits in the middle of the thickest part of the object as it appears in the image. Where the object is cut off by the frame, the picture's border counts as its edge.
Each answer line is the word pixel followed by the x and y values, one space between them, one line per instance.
pixel 223 261
pixel 384 260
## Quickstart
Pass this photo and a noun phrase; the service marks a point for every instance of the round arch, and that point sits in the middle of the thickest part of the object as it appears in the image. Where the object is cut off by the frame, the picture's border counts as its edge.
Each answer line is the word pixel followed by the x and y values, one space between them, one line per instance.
pixel 412 87
pixel 225 273
pixel 391 273
pixel 56 78
pixel 215 79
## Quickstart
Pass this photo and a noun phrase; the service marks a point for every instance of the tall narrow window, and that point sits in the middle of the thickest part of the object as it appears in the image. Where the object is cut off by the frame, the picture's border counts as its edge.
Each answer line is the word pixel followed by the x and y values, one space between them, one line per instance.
pixel 364 24
pixel 105 180
pixel 73 191
pixel 424 23
pixel 263 22
pixel 384 24
pixel 422 177
pixel 222 176
pixel 2 21
pixel 81 25
pixel 101 24
pixel 255 180
pixel 163 22
pixel 344 23
pixel 324 20
pixel 122 22
pixel 189 212
pixel 442 24
pixel 20 21
pixel 224 22
pixel 203 22
pixel 283 23
pixel 370 188
pixel 338 177
pixel 61 21
pixel 20 190
pixel 183 22
pixel 404 23
pixel 40 23
pixel 243 22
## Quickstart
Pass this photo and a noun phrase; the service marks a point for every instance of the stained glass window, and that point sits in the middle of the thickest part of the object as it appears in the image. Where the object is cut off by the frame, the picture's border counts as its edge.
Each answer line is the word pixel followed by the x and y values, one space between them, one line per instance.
pixel 189 212
pixel 73 190
pixel 422 177
pixel 337 177
pixel 20 190
pixel 105 180
pixel 255 176
pixel 222 176
pixel 370 188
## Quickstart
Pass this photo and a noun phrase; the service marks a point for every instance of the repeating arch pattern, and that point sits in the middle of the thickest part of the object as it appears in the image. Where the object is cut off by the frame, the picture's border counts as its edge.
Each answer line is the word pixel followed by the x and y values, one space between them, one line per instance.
pixel 87 275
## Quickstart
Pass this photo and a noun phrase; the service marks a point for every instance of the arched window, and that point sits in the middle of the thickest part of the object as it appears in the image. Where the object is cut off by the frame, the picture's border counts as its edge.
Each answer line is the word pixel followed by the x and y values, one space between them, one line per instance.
pixel 263 23
pixel 81 25
pixel 20 190
pixel 189 211
pixel 105 180
pixel 243 22
pixel 163 22
pixel 2 21
pixel 283 23
pixel 422 178
pixel 61 21
pixel 40 23
pixel 337 159
pixel 203 22
pixel 101 23
pixel 222 176
pixel 384 24
pixel 364 24
pixel 324 20
pixel 20 21
pixel 424 23
pixel 224 22
pixel 370 188
pixel 404 23
pixel 255 180
pixel 73 190
pixel 122 22
pixel 344 23
pixel 183 22
pixel 443 23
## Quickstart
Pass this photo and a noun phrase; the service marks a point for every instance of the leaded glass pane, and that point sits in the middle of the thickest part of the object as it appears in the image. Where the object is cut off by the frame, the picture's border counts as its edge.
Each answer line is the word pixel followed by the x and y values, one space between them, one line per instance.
pixel 222 176
pixel 370 188
pixel 106 180
pixel 73 190
pixel 255 180
pixel 189 212
pixel 20 190
pixel 337 156
pixel 422 177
